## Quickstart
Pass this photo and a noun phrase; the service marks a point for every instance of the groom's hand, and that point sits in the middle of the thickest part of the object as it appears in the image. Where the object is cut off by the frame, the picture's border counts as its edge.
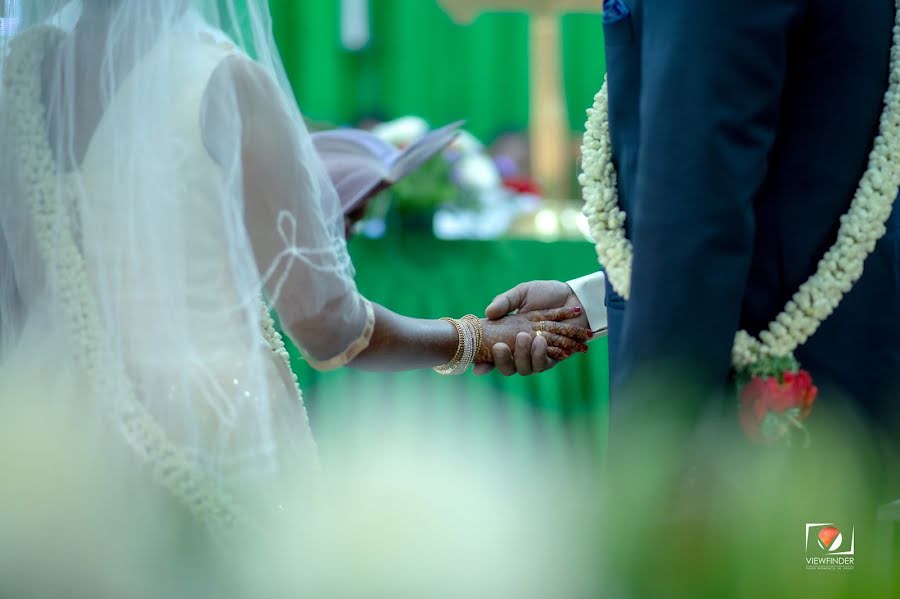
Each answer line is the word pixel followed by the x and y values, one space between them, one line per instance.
pixel 530 354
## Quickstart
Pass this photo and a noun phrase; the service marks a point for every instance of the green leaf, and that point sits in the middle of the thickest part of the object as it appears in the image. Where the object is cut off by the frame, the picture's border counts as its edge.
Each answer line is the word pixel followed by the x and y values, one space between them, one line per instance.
pixel 767 367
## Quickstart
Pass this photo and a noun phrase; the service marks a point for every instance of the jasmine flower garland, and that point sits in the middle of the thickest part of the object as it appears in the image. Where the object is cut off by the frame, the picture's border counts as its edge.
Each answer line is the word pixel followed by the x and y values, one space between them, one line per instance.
pixel 771 355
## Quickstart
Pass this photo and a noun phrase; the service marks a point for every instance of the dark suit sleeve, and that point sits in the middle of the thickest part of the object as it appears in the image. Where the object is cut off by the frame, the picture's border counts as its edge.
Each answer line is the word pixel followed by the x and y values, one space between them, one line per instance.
pixel 712 73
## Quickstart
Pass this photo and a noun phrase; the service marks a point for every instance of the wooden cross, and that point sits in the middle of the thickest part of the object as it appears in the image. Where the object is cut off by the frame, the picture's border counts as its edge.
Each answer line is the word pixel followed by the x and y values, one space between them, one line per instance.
pixel 549 128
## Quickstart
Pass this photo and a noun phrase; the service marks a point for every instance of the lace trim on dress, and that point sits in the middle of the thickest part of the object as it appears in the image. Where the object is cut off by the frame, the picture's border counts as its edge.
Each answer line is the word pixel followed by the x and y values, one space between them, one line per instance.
pixel 355 348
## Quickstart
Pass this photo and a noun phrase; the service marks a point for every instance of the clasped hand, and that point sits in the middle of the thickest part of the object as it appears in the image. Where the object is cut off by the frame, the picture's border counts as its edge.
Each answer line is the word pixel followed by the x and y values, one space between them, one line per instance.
pixel 549 325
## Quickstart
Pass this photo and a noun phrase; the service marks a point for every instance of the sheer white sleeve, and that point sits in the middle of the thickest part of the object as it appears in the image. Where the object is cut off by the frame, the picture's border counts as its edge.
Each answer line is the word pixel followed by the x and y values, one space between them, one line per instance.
pixel 293 215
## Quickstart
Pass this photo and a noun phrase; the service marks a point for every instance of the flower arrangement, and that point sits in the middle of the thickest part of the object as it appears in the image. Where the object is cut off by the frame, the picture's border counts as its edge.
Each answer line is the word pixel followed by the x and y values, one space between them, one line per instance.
pixel 773 407
pixel 426 189
pixel 455 178
pixel 775 395
pixel 422 192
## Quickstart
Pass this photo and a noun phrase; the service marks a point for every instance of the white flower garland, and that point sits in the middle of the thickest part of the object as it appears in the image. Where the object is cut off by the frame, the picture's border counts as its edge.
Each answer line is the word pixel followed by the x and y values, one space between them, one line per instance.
pixel 837 272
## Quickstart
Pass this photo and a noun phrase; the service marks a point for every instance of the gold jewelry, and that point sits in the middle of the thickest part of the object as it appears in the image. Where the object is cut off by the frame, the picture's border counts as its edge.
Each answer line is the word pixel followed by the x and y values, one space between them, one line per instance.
pixel 460 347
pixel 465 350
pixel 478 329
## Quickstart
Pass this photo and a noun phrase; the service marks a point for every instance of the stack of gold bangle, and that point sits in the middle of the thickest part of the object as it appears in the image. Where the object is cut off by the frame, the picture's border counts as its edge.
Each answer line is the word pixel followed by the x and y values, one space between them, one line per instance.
pixel 470 345
pixel 478 328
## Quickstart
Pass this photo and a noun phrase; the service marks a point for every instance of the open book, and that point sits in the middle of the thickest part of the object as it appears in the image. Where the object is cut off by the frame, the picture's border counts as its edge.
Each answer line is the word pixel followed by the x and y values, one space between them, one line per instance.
pixel 359 163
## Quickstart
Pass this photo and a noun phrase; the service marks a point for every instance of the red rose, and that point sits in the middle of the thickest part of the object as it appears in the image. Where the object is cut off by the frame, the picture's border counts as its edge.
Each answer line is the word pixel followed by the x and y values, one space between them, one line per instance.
pixel 802 388
pixel 770 409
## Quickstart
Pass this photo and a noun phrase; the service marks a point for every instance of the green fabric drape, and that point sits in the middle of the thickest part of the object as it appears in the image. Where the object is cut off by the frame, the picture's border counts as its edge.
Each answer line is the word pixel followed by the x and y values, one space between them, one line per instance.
pixel 564 410
pixel 419 62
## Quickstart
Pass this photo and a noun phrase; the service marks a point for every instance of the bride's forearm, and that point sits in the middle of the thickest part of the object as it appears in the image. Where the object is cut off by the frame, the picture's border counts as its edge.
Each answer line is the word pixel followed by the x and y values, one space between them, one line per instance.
pixel 403 343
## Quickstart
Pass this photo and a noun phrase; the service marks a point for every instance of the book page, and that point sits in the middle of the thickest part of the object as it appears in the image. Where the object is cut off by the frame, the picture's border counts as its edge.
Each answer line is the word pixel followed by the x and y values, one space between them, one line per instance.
pixel 357 162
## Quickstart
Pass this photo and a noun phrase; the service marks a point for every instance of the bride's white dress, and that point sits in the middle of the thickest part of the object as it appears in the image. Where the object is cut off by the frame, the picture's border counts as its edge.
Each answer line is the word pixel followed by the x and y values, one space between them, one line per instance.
pixel 204 396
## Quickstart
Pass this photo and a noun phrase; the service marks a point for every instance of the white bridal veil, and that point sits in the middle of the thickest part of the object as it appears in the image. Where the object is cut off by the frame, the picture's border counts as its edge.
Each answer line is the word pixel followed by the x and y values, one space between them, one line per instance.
pixel 158 191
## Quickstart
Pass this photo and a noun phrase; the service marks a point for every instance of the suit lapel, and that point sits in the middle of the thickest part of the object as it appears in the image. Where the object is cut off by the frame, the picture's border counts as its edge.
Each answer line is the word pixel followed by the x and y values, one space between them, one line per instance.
pixel 623 64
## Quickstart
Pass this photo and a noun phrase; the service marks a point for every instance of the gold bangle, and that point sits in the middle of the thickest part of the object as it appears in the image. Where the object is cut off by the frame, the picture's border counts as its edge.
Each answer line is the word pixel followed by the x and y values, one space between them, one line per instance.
pixel 450 366
pixel 476 325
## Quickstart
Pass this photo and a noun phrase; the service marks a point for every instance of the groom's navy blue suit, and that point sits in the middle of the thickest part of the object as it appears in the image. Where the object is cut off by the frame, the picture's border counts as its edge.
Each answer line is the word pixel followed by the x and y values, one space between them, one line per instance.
pixel 741 129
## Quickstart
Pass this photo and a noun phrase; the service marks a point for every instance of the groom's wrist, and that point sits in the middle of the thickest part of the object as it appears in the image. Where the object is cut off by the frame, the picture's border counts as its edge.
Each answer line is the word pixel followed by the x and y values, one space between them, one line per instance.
pixel 590 290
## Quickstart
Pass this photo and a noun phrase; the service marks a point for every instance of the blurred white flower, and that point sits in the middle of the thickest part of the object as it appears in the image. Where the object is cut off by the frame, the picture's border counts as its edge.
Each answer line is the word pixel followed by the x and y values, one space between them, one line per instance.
pixel 478 172
pixel 466 143
pixel 403 131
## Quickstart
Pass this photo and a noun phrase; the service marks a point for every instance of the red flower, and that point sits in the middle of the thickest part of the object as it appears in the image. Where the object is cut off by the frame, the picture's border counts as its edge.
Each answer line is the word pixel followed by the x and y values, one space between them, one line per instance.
pixel 772 407
pixel 801 386
pixel 522 185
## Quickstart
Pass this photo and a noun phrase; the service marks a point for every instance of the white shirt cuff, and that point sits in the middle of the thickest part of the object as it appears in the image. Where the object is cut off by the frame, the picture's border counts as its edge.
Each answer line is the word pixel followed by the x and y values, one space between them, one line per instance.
pixel 591 292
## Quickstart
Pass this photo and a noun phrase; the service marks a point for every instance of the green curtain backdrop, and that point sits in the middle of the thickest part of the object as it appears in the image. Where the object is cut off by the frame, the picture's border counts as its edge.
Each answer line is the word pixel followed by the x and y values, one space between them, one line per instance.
pixel 420 62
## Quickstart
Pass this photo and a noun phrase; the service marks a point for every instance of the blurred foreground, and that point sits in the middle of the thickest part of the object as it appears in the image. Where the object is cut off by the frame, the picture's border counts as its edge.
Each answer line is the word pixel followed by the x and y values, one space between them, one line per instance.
pixel 418 517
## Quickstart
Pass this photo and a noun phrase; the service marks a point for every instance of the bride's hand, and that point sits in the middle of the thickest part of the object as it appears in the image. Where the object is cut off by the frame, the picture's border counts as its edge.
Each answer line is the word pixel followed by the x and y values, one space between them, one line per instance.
pixel 563 339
